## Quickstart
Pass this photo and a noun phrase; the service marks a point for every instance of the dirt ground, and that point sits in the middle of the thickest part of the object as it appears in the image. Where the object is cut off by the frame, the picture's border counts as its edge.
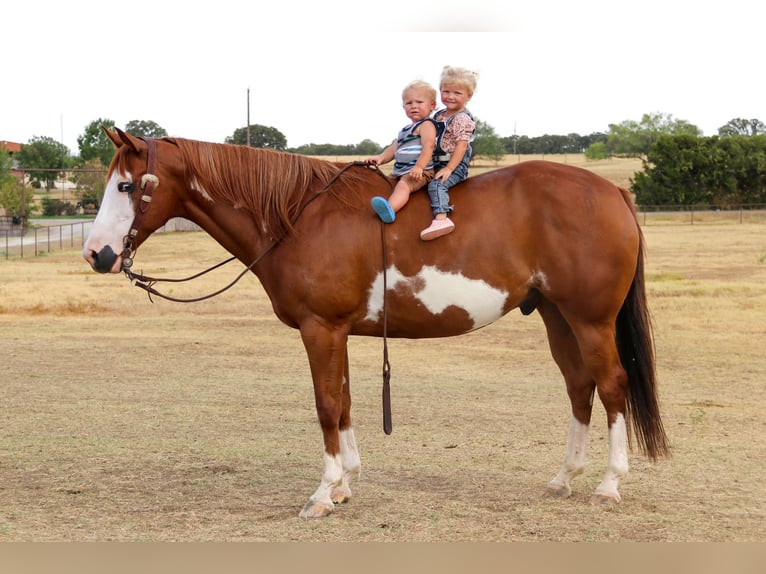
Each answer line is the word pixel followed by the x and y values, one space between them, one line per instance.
pixel 126 420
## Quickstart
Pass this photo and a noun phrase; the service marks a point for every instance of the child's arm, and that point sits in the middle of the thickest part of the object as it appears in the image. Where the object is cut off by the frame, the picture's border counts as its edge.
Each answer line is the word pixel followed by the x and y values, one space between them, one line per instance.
pixel 427 132
pixel 383 157
pixel 455 158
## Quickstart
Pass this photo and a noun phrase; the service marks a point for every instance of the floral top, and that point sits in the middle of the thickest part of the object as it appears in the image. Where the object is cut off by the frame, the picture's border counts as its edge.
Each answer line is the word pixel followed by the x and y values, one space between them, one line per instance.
pixel 459 129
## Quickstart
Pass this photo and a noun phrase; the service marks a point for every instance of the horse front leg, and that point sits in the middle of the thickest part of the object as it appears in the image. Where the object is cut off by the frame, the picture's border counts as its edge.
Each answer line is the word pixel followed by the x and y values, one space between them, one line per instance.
pixel 326 347
pixel 349 454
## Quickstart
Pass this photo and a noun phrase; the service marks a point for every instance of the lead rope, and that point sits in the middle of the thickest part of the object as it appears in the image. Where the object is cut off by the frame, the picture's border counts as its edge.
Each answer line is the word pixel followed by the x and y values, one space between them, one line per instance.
pixel 387 425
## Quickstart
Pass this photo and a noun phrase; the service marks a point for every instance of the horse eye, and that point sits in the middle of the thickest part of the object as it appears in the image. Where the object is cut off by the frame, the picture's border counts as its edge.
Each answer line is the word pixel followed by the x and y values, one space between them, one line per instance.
pixel 125 187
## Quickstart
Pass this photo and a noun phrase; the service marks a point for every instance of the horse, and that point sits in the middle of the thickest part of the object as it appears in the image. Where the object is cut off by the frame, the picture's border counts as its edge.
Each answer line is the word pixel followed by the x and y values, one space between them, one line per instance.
pixel 539 236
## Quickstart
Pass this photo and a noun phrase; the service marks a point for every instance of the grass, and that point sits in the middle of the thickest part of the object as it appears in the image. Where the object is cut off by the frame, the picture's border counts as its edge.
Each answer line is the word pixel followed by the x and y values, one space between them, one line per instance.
pixel 136 421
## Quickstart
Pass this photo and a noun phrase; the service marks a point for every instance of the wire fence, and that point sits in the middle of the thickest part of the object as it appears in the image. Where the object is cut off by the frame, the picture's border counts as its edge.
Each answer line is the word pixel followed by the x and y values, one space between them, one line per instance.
pixel 42 237
pixel 701 214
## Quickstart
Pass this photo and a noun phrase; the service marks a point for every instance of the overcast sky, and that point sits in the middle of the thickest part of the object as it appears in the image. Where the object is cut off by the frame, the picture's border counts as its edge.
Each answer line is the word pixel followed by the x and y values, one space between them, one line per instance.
pixel 332 71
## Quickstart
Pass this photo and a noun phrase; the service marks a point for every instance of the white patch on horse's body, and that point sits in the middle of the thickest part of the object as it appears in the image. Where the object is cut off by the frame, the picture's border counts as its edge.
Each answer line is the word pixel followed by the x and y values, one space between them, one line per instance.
pixel 618 459
pixel 574 463
pixel 195 185
pixel 437 290
pixel 539 280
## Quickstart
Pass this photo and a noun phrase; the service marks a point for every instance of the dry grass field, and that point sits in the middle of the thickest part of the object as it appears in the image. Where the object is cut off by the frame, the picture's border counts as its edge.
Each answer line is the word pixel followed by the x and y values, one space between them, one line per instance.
pixel 127 420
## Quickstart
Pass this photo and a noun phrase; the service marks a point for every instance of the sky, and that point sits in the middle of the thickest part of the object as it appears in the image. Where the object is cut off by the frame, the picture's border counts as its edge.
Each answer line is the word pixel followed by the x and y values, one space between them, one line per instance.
pixel 333 71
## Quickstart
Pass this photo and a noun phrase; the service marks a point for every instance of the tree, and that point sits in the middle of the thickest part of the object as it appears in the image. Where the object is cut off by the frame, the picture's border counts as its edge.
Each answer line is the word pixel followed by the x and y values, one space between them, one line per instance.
pixel 91 179
pixel 631 138
pixel 6 164
pixel 94 145
pixel 260 136
pixel 48 156
pixel 145 129
pixel 740 127
pixel 717 171
pixel 11 192
pixel 486 143
pixel 596 150
pixel 11 189
pixel 367 147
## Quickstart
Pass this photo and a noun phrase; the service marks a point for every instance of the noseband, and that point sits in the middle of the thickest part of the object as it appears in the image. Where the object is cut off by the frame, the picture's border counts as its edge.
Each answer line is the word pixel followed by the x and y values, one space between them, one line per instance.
pixel 149 183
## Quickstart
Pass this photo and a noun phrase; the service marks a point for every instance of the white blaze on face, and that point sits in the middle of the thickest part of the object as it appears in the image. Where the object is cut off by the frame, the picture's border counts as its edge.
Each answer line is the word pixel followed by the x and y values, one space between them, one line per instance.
pixel 437 290
pixel 114 217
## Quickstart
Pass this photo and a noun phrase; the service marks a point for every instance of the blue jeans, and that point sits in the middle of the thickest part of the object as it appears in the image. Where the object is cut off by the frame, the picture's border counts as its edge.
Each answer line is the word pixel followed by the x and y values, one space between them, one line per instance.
pixel 438 191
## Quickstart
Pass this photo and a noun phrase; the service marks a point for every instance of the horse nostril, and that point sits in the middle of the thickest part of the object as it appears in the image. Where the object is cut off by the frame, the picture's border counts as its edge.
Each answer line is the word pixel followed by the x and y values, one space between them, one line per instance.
pixel 103 261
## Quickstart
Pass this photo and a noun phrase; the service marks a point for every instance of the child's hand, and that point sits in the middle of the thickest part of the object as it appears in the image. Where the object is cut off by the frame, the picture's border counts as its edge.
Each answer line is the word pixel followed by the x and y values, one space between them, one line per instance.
pixel 417 173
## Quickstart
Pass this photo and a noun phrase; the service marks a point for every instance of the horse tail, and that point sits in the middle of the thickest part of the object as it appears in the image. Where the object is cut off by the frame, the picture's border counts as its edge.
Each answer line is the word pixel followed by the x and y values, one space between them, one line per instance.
pixel 635 345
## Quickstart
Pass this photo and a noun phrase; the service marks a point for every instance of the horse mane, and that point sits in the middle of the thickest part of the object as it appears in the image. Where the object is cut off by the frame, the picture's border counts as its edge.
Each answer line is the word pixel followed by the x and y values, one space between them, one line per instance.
pixel 274 186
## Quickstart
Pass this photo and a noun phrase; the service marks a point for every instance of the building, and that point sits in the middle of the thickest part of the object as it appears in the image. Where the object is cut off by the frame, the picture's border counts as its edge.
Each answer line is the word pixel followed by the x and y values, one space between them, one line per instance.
pixel 13 148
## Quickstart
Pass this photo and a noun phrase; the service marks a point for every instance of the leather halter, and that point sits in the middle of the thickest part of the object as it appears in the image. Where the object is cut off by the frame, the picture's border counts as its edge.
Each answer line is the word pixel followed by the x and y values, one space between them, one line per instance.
pixel 149 182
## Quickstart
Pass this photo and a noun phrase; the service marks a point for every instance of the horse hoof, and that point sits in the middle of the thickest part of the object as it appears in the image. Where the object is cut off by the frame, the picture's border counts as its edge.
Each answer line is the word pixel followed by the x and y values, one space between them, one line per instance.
pixel 558 491
pixel 603 498
pixel 315 509
pixel 340 495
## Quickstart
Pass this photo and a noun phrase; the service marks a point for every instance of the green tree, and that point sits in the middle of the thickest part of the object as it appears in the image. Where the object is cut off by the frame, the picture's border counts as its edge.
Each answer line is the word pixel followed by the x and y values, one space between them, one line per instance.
pixel 93 143
pixel 11 189
pixel 741 127
pixel 596 150
pixel 633 139
pixel 716 171
pixel 6 164
pixel 260 136
pixel 486 142
pixel 91 179
pixel 145 129
pixel 367 147
pixel 43 158
pixel 11 194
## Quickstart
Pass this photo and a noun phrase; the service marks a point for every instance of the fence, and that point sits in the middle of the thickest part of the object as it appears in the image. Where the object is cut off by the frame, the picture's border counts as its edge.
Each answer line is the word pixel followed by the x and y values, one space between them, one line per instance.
pixel 701 214
pixel 39 239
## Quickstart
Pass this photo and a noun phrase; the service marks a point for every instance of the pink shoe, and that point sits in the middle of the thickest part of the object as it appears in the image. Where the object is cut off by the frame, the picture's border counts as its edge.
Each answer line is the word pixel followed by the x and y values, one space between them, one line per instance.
pixel 437 228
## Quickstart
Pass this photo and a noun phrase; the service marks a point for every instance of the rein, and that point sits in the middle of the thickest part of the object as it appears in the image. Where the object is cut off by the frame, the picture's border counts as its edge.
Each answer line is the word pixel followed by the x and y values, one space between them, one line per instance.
pixel 149 183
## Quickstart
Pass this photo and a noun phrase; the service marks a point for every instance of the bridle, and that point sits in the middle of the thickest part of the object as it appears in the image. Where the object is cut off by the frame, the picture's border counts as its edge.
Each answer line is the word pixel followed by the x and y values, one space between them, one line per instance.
pixel 149 182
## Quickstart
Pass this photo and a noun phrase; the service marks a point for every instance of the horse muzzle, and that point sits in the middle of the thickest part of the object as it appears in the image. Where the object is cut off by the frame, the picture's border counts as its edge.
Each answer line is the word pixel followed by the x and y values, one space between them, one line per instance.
pixel 104 260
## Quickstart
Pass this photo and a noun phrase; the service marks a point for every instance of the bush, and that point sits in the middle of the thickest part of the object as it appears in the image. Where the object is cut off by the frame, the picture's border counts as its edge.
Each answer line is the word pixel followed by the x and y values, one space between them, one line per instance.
pixel 57 207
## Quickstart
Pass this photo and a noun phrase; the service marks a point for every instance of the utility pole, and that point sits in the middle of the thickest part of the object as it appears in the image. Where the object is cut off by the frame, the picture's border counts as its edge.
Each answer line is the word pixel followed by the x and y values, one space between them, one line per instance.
pixel 248 116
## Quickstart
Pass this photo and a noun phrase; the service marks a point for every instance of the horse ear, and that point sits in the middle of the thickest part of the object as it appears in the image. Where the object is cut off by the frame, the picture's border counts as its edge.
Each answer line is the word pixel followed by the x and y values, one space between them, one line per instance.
pixel 120 138
pixel 112 136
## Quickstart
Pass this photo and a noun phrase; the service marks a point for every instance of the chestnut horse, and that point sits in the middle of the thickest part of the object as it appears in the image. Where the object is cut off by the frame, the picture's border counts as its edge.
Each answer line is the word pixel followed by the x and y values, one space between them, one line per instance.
pixel 537 235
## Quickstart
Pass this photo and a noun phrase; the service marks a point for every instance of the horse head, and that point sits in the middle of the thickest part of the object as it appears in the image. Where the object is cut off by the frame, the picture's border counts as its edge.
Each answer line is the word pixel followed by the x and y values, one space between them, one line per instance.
pixel 124 219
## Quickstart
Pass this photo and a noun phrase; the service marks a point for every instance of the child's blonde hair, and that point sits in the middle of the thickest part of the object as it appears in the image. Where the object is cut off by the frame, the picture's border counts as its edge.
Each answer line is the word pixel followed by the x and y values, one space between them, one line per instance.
pixel 423 86
pixel 459 77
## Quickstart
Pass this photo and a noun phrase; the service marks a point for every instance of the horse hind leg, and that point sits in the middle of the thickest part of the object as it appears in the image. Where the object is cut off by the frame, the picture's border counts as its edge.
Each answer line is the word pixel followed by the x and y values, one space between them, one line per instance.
pixel 602 361
pixel 580 388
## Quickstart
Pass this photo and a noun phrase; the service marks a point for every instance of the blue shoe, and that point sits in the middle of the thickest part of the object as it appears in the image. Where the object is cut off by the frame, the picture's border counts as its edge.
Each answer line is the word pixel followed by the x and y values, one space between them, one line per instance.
pixel 383 209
